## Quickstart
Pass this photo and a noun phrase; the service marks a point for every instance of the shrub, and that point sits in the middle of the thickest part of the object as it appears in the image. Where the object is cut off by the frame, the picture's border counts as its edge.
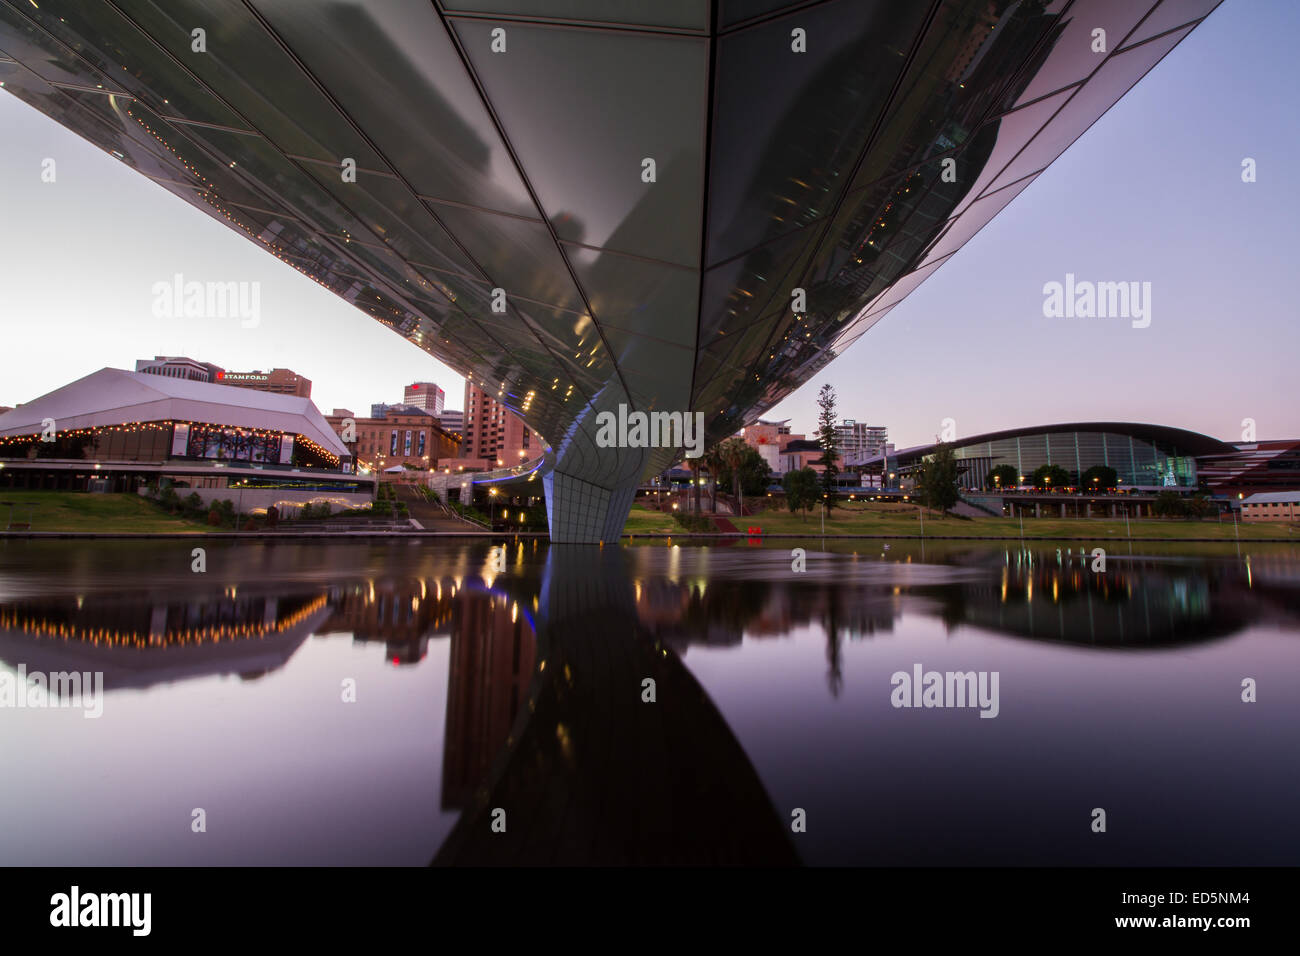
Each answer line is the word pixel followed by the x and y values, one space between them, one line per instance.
pixel 694 523
pixel 214 516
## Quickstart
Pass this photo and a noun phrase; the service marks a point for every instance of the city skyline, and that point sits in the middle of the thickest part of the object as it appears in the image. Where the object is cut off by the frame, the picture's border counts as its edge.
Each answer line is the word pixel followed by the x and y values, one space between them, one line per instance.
pixel 1110 209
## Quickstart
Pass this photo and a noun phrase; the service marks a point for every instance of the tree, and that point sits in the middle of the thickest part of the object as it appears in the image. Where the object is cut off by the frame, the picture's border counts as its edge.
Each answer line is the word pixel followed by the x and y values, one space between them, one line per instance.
pixel 936 485
pixel 713 462
pixel 802 490
pixel 1169 504
pixel 1003 476
pixel 1047 477
pixel 829 439
pixel 1099 478
pixel 755 476
pixel 695 480
pixel 731 460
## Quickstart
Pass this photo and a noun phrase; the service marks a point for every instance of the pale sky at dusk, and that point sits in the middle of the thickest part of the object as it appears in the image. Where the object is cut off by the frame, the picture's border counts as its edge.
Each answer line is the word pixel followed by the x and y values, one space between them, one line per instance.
pixel 1152 193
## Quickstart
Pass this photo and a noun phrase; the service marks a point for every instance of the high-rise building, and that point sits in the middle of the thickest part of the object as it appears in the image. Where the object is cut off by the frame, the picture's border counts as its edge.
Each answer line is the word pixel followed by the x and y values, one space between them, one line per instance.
pixel 281 381
pixel 494 433
pixel 859 441
pixel 179 366
pixel 424 395
pixel 453 421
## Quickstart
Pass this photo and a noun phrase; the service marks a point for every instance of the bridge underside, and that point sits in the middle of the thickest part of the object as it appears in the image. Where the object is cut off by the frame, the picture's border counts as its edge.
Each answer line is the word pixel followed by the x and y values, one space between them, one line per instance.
pixel 687 207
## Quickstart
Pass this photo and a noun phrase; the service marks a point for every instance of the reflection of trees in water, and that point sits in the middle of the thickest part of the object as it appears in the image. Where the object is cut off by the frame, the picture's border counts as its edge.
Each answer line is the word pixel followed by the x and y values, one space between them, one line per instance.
pixel 1134 602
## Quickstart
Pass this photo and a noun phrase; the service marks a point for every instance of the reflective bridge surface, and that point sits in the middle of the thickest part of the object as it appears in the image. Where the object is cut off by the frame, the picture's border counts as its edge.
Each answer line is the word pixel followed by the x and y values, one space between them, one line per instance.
pixel 668 205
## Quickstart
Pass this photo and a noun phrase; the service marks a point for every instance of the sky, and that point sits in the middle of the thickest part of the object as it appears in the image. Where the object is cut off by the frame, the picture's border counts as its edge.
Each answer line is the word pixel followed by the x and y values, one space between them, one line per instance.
pixel 1151 193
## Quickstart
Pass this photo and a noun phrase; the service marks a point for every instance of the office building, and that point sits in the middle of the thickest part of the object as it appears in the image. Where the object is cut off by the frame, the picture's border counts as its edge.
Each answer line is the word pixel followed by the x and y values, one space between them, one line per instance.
pixel 403 437
pixel 280 381
pixel 424 395
pixel 179 366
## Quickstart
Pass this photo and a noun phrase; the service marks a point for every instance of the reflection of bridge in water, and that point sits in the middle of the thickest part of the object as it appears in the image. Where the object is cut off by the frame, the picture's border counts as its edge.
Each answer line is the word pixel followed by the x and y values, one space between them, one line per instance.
pixel 595 774
pixel 544 713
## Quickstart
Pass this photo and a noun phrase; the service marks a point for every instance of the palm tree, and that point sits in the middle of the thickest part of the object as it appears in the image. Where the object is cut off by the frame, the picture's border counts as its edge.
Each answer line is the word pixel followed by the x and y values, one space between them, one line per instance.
pixel 713 461
pixel 733 453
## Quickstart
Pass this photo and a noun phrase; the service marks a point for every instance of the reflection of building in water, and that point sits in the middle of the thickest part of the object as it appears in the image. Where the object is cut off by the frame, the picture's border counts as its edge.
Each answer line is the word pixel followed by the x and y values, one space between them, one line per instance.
pixel 492 653
pixel 1136 601
pixel 151 624
pixel 138 641
pixel 402 614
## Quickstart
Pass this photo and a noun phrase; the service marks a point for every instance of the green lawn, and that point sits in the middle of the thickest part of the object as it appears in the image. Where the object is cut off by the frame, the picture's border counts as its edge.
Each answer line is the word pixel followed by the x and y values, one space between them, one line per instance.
pixel 857 518
pixel 646 521
pixel 81 511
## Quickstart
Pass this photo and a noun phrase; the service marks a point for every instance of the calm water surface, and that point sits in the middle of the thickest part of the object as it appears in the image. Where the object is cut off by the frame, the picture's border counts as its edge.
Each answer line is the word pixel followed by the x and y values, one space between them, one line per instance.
pixel 376 703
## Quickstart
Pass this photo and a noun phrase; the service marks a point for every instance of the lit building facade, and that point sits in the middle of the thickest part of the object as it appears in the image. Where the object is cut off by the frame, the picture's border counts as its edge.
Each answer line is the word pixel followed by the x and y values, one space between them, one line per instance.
pixel 404 436
pixel 424 395
pixel 115 430
pixel 663 206
pixel 1145 457
pixel 280 381
pixel 495 434
pixel 858 442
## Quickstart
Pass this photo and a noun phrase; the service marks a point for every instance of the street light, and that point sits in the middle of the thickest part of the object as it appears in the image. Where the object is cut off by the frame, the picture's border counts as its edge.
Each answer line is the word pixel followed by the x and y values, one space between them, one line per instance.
pixel 492 501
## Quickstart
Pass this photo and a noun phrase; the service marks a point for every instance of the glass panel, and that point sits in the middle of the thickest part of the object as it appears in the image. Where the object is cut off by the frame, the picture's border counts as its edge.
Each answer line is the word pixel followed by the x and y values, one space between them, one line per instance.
pixel 242 62
pixel 688 14
pixel 1068 56
pixel 969 55
pixel 650 356
pixel 519 256
pixel 637 295
pixel 101 35
pixel 52 61
pixel 581 134
pixel 845 339
pixel 1170 14
pixel 997 143
pixel 973 220
pixel 106 121
pixel 736 293
pixel 902 288
pixel 789 127
pixel 1095 97
pixel 735 11
pixel 387 64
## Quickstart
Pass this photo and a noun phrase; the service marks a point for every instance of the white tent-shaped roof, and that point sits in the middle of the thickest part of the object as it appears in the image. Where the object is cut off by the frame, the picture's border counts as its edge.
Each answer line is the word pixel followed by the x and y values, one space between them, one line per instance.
pixel 113 396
